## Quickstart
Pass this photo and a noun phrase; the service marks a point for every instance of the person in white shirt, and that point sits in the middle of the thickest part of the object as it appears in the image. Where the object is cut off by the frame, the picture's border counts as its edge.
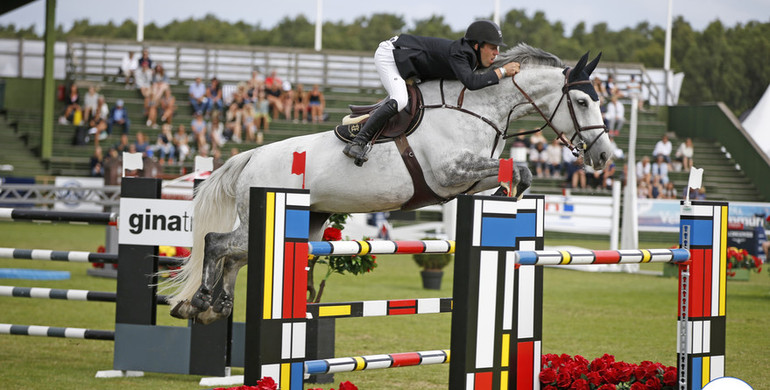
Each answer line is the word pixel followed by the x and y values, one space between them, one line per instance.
pixel 644 170
pixel 663 147
pixel 660 170
pixel 128 67
pixel 684 154
pixel 615 116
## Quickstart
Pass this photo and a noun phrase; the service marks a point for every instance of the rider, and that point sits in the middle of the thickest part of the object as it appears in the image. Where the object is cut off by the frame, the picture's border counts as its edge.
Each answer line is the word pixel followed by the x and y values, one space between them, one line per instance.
pixel 425 58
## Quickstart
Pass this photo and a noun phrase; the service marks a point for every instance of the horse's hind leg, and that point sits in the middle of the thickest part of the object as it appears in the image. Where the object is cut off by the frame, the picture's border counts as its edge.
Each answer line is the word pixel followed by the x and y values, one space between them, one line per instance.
pixel 237 257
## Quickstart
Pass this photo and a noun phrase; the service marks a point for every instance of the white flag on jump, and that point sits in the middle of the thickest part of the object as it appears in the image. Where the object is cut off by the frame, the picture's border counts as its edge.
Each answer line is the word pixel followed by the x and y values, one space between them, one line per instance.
pixel 132 161
pixel 696 178
pixel 204 164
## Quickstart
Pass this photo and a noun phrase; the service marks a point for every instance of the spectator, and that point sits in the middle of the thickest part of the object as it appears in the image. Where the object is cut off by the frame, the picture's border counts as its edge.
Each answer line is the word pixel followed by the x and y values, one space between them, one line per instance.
pixel 118 116
pixel 198 127
pixel 287 99
pixel 90 103
pixel 635 91
pixel 214 96
pixel 249 123
pixel 644 170
pixel 273 80
pixel 181 143
pixel 97 129
pixel 553 158
pixel 273 93
pixel 567 158
pixel 684 154
pixel 141 145
pixel 167 106
pixel 145 59
pixel 234 151
pixel 217 131
pixel 600 90
pixel 669 191
pixel 197 93
pixel 611 87
pixel 300 104
pixel 122 146
pixel 663 147
pixel 659 171
pixel 593 177
pixel 317 104
pixel 615 116
pixel 128 67
pixel 608 175
pixel 72 105
pixel 97 162
pixel 233 123
pixel 643 190
pixel 102 111
pixel 160 84
pixel 144 85
pixel 262 112
pixel 538 158
pixel 537 138
pixel 255 84
pixel 576 174
pixel 164 146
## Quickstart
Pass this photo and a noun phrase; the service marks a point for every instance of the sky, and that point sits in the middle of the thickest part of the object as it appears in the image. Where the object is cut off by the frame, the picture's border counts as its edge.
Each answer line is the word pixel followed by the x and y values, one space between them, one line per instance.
pixel 457 13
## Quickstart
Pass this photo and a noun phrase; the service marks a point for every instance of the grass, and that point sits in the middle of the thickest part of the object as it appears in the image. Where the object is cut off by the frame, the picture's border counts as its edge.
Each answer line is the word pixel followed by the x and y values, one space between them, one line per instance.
pixel 630 316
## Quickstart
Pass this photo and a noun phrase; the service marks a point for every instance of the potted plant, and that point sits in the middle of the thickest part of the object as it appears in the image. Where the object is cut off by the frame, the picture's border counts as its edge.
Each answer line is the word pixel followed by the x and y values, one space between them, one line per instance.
pixel 432 265
pixel 740 263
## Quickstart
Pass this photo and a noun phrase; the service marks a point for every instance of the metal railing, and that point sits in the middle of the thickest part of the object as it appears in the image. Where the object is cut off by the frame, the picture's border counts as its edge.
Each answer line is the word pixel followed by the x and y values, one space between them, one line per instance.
pixel 37 194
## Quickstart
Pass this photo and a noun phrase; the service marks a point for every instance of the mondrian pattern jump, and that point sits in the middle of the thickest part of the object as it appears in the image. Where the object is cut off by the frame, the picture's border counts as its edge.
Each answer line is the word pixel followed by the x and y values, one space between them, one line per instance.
pixel 52 331
pixel 278 236
pixel 8 214
pixel 380 308
pixel 373 362
pixel 623 256
pixel 380 247
pixel 703 227
pixel 72 256
pixel 69 295
pixel 496 340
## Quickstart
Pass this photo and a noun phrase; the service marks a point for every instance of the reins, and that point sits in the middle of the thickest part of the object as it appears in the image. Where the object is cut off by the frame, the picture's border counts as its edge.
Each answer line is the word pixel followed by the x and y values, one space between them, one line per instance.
pixel 503 134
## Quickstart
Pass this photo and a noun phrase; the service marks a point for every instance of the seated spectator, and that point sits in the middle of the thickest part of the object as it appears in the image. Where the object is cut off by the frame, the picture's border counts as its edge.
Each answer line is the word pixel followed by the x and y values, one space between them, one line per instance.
pixel 273 79
pixel 287 99
pixel 198 127
pixel 611 87
pixel 567 158
pixel 144 84
pixel 255 83
pixel 600 90
pixel 669 191
pixel 72 105
pixel 262 113
pixel 97 162
pixel 181 144
pixel 144 59
pixel 317 104
pixel 643 190
pixel 615 116
pixel 97 129
pixel 608 175
pixel 122 146
pixel 273 93
pixel 684 154
pixel 593 177
pixel 102 111
pixel 197 94
pixel 233 123
pixel 538 158
pixel 128 67
pixel 249 123
pixel 553 158
pixel 663 147
pixel 118 116
pixel 167 106
pixel 164 146
pixel 217 131
pixel 537 138
pixel 300 104
pixel 90 103
pixel 214 96
pixel 634 90
pixel 659 170
pixel 644 170
pixel 576 174
pixel 141 145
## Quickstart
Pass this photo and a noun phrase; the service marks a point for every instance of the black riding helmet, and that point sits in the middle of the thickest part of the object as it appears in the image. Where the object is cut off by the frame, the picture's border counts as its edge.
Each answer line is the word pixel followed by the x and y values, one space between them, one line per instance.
pixel 482 31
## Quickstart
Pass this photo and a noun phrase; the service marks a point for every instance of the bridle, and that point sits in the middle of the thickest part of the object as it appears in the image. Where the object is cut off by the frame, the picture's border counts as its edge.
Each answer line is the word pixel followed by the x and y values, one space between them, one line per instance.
pixel 581 146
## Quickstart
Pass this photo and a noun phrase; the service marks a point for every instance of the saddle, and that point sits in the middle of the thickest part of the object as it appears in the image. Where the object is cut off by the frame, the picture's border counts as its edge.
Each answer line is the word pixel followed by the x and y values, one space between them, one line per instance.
pixel 405 122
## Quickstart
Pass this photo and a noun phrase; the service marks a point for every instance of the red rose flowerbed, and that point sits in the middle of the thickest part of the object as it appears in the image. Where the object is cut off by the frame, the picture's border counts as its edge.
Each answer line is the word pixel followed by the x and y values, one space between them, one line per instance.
pixel 564 372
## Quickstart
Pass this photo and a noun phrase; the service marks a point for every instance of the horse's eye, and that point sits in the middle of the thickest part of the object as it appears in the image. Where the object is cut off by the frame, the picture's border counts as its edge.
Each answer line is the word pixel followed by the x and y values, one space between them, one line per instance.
pixel 582 102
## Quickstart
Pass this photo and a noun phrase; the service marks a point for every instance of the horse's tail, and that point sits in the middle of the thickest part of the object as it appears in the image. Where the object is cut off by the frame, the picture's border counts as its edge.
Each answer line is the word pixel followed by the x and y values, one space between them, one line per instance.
pixel 214 210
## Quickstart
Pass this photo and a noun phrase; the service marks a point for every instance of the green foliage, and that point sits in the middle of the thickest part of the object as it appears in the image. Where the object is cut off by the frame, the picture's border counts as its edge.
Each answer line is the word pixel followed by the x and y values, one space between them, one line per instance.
pixel 720 63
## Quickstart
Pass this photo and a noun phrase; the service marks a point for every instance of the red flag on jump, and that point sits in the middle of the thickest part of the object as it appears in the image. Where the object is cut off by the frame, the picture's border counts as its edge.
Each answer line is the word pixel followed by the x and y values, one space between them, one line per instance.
pixel 505 172
pixel 298 165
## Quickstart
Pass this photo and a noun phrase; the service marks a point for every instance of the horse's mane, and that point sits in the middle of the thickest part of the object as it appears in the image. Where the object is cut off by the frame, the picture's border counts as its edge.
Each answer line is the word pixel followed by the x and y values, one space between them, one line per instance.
pixel 527 55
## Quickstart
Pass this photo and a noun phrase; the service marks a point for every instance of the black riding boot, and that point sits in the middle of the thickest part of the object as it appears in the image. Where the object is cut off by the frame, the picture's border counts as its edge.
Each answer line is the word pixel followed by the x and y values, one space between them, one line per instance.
pixel 357 149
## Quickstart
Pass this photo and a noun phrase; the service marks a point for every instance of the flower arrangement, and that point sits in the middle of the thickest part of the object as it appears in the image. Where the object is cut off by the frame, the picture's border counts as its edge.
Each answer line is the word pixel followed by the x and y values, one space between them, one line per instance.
pixel 741 258
pixel 268 383
pixel 563 372
pixel 336 264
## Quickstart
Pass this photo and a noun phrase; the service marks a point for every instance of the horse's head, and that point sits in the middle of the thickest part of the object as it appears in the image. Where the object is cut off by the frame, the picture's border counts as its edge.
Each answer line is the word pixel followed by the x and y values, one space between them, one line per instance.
pixel 578 113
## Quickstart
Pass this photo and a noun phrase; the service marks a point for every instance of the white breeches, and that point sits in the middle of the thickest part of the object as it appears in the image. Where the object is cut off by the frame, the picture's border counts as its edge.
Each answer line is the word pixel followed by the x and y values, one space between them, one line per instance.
pixel 389 75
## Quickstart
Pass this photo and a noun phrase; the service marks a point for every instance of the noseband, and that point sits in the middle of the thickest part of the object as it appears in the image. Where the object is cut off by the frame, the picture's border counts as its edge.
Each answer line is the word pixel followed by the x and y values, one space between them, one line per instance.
pixel 569 143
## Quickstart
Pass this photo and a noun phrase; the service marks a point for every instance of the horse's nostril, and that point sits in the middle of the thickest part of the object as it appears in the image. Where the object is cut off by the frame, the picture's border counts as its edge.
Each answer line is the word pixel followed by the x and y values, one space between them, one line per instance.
pixel 603 157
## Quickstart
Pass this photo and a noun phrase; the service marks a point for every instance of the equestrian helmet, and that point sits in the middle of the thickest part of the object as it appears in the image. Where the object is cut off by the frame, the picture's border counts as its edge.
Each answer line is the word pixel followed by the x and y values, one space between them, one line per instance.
pixel 485 31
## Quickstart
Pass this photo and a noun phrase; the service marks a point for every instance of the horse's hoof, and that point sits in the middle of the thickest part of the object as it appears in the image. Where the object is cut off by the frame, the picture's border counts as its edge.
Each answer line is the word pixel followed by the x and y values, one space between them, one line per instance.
pixel 183 310
pixel 201 301
pixel 223 305
pixel 207 317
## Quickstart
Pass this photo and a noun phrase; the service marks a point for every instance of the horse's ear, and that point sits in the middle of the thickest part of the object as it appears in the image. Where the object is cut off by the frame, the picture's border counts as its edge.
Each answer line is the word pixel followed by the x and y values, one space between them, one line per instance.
pixel 592 65
pixel 581 63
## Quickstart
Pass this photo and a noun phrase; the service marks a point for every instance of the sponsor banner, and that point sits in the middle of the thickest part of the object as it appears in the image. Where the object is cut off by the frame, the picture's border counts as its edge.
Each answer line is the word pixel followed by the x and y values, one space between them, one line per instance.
pixel 578 214
pixel 155 222
pixel 73 197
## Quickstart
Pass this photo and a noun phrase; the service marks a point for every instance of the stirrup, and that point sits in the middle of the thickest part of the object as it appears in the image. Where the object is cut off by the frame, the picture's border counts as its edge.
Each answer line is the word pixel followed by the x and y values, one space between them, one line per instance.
pixel 362 158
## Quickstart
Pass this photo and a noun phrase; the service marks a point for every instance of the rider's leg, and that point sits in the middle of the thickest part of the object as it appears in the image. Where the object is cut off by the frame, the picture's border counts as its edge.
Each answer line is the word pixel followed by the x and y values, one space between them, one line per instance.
pixel 396 86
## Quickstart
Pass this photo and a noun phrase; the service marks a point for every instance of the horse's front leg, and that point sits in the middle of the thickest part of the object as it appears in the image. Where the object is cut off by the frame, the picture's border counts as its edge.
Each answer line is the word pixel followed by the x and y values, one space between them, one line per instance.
pixel 468 168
